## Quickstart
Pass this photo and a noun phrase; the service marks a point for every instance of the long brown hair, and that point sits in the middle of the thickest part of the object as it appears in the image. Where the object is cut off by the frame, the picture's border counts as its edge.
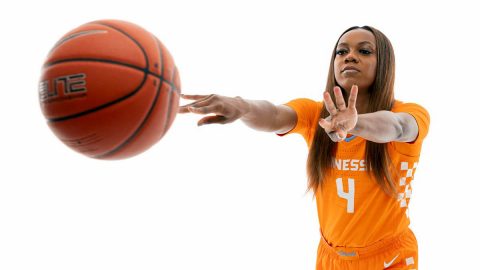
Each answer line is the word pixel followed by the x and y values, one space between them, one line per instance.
pixel 321 156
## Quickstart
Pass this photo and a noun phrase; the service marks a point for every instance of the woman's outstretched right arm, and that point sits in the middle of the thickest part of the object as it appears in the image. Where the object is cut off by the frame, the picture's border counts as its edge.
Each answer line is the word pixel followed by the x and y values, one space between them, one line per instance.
pixel 257 114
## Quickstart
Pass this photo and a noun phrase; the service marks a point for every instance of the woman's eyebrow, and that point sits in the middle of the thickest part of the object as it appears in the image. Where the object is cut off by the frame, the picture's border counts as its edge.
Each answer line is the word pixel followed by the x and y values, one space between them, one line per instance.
pixel 360 43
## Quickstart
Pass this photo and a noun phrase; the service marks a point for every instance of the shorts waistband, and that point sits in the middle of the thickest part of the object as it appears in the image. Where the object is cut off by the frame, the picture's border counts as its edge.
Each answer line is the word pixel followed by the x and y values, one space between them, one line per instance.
pixel 347 253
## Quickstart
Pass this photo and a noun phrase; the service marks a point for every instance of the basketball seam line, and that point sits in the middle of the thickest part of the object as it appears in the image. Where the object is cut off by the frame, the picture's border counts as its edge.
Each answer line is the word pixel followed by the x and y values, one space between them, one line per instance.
pixel 169 111
pixel 169 99
pixel 172 85
pixel 161 54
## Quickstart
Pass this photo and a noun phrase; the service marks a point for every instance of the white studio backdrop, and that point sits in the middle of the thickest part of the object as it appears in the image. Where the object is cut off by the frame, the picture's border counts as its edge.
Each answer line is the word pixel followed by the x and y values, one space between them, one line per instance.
pixel 227 197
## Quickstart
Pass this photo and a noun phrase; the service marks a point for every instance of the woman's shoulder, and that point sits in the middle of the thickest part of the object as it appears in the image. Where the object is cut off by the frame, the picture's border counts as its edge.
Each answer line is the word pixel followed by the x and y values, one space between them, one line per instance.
pixel 402 106
pixel 306 108
pixel 306 101
pixel 305 104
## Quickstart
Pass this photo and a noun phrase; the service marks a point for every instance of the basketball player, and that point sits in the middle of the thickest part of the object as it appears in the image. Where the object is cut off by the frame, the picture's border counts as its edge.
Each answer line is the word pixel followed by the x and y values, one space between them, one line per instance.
pixel 363 152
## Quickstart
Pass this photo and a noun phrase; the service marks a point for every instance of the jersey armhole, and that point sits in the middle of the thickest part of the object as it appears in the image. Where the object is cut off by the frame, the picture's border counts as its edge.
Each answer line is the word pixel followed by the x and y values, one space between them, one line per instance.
pixel 294 126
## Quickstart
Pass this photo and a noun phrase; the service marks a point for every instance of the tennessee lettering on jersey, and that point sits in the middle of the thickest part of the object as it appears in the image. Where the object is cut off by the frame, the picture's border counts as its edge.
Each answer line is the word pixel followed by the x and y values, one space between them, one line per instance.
pixel 353 210
pixel 350 165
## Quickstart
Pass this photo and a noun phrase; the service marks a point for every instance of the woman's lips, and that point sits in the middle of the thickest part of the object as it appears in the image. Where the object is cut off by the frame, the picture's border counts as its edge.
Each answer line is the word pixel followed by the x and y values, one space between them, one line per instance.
pixel 350 72
pixel 350 69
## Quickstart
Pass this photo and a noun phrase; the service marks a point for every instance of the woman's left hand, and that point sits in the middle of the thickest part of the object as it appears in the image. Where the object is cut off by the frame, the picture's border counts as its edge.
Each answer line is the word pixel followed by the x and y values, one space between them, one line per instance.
pixel 342 119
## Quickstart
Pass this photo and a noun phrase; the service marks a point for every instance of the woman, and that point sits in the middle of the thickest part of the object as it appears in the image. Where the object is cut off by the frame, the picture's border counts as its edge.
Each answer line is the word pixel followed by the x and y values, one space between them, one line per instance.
pixel 362 154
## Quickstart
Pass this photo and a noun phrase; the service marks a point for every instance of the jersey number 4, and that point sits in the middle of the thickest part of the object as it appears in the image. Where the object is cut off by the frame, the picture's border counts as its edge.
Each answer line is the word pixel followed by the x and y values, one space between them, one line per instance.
pixel 349 196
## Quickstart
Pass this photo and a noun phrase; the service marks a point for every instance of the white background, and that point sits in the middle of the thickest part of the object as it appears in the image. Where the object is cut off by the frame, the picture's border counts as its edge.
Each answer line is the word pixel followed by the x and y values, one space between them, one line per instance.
pixel 227 197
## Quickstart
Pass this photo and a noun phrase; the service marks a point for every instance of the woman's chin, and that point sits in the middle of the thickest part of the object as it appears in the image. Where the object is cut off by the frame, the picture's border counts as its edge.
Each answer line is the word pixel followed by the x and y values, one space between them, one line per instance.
pixel 347 84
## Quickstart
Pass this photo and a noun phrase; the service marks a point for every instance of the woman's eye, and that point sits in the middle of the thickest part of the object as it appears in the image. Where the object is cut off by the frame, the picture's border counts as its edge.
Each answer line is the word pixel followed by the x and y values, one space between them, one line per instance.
pixel 341 52
pixel 362 51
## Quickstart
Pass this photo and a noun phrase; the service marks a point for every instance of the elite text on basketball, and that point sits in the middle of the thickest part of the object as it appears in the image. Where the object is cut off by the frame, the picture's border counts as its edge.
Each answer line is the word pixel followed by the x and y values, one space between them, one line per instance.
pixel 62 87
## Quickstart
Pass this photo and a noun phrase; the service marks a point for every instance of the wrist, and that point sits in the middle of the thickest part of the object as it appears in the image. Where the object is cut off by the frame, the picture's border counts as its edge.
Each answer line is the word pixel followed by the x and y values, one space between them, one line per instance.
pixel 358 126
pixel 244 106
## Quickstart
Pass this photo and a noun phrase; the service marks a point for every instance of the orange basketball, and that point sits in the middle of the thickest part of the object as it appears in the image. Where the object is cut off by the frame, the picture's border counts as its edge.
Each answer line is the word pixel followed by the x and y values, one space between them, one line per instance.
pixel 109 89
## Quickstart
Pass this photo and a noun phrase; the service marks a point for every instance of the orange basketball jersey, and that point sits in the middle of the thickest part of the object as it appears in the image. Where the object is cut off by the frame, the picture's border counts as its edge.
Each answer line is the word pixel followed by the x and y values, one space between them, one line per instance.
pixel 353 210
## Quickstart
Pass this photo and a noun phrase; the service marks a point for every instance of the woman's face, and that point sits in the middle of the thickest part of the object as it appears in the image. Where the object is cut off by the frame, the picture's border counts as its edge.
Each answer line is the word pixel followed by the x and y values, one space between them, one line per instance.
pixel 356 60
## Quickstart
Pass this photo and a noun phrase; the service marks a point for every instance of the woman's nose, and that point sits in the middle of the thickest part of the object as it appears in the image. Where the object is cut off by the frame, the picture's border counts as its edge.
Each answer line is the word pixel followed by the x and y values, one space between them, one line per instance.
pixel 351 57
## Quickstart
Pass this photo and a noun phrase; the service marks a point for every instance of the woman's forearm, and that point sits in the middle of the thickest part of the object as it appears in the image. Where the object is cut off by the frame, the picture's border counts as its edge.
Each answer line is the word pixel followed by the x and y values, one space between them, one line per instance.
pixel 260 114
pixel 379 127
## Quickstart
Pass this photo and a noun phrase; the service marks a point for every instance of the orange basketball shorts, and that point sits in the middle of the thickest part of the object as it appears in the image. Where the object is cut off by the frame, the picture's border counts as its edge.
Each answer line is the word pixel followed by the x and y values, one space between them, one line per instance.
pixel 399 252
